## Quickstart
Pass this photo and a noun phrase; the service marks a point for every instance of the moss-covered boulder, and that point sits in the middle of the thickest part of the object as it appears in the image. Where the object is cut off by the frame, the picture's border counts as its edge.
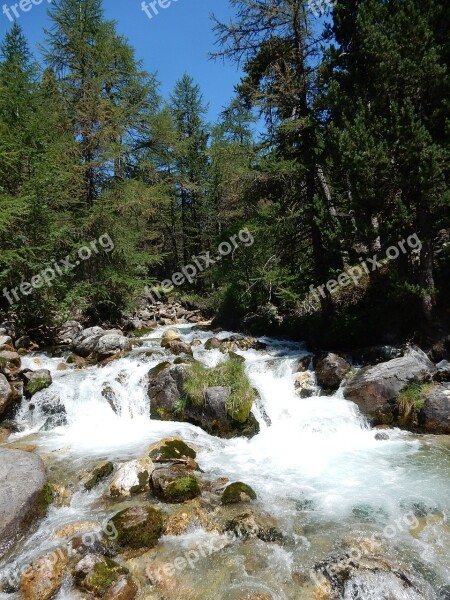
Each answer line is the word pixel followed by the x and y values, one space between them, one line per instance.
pixel 96 574
pixel 238 492
pixel 213 344
pixel 175 484
pixel 98 474
pixel 170 449
pixel 35 381
pixel 138 527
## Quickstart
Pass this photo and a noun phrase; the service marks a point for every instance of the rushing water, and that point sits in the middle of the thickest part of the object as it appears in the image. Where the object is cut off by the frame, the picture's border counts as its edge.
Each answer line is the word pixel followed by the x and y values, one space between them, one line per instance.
pixel 315 465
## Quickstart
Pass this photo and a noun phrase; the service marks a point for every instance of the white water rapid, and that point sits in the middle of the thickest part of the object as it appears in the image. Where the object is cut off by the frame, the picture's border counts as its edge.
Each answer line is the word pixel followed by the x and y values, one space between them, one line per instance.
pixel 316 467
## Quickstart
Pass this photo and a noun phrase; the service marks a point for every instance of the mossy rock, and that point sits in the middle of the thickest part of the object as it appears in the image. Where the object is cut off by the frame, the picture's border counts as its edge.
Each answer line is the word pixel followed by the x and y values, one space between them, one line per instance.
pixel 213 344
pixel 155 371
pixel 138 527
pixel 238 492
pixel 171 449
pixel 36 385
pixel 101 573
pixel 182 489
pixel 98 474
pixel 45 499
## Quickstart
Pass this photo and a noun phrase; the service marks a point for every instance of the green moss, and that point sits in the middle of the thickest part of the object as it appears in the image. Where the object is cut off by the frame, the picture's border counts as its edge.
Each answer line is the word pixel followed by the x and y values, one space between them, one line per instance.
pixel 229 374
pixel 98 474
pixel 182 489
pixel 36 385
pixel 142 331
pixel 46 498
pixel 155 371
pixel 411 401
pixel 103 575
pixel 237 492
pixel 138 527
pixel 172 450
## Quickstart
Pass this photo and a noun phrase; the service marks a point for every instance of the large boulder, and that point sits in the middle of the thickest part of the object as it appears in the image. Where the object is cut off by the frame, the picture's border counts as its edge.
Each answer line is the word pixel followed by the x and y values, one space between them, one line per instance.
pixel 132 477
pixel 138 527
pixel 434 417
pixel 168 402
pixel 375 390
pixel 331 369
pixel 7 395
pixel 99 575
pixel 170 335
pixel 23 494
pixel 100 343
pixel 67 332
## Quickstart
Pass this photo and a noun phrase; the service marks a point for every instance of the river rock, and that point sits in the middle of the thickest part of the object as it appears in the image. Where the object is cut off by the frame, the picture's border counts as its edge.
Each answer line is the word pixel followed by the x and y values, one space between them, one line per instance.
pixel 174 484
pixel 374 355
pixel 443 371
pixel 304 385
pixel 138 527
pixel 170 335
pixel 9 362
pixel 330 369
pixel 100 472
pixel 111 344
pixel 86 341
pixel 375 389
pixel 238 492
pixel 44 577
pixel 67 332
pixel 132 477
pixel 25 343
pixel 6 340
pixel 22 493
pixel 122 589
pixel 212 344
pixel 434 417
pixel 178 347
pixel 171 450
pixel 247 525
pixel 7 395
pixel 96 574
pixel 35 381
pixel 167 403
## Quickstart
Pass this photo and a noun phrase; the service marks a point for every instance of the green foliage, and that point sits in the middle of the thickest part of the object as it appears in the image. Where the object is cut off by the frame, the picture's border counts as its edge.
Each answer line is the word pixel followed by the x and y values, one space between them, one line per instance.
pixel 411 400
pixel 230 374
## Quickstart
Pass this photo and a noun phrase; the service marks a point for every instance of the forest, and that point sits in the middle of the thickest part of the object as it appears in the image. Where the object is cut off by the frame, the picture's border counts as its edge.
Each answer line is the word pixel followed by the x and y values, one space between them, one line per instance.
pixel 332 152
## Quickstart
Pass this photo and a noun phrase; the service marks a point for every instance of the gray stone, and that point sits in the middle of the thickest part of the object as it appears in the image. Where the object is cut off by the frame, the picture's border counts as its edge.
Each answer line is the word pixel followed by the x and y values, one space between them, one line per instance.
pixel 22 481
pixel 435 414
pixel 7 395
pixel 112 343
pixel 330 370
pixel 375 389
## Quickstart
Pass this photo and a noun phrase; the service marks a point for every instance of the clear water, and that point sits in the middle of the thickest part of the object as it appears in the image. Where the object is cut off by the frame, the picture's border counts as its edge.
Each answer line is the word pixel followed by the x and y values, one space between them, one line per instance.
pixel 317 468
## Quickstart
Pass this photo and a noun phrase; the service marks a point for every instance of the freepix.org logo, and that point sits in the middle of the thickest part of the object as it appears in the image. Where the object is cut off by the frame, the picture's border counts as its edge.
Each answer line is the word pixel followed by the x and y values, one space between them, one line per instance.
pixel 13 11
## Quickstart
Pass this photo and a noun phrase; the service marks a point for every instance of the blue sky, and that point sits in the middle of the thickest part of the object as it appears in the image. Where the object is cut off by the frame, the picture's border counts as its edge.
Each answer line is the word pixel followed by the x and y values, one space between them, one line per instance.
pixel 176 40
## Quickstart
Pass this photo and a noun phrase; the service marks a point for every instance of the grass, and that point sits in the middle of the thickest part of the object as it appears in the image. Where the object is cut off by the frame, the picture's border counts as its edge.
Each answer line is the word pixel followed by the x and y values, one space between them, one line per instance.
pixel 229 374
pixel 411 400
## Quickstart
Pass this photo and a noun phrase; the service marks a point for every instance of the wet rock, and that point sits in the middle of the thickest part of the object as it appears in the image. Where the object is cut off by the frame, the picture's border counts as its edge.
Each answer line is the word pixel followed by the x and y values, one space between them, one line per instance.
pixel 170 335
pixel 97 574
pixel 178 347
pixel 236 342
pixel 304 364
pixel 98 474
pixel 23 494
pixel 174 484
pixel 111 344
pixel 375 390
pixel 62 367
pixel 189 516
pixel 213 344
pixel 304 385
pixel 110 397
pixel 247 525
pixel 434 417
pixel 331 370
pixel 122 589
pixel 168 403
pixel 62 494
pixel 138 527
pixel 74 359
pixel 44 577
pixel 35 381
pixel 7 395
pixel 132 477
pixel 381 437
pixel 171 449
pixel 196 343
pixel 238 492
pixel 163 577
pixel 9 362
